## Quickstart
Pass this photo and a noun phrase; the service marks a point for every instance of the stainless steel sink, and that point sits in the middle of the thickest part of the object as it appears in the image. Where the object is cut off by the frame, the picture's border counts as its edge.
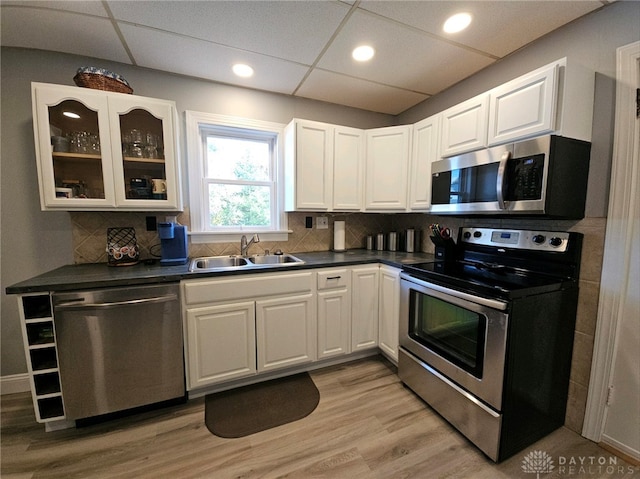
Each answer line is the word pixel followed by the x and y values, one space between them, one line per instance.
pixel 274 260
pixel 218 263
pixel 229 263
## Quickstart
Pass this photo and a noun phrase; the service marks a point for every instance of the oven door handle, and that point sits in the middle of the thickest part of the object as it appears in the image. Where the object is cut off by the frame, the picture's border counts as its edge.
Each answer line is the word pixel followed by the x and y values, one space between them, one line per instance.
pixel 488 302
pixel 500 186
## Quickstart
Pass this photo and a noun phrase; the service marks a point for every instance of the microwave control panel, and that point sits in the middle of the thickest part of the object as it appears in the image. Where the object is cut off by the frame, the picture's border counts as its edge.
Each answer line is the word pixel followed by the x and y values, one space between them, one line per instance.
pixel 525 178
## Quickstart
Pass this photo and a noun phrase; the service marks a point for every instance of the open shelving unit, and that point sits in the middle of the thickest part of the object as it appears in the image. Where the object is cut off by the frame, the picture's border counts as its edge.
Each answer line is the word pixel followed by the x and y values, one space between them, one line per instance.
pixel 42 356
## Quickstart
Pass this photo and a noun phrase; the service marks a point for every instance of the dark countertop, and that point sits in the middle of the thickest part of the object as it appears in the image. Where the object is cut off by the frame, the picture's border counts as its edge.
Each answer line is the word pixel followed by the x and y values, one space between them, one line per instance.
pixel 100 275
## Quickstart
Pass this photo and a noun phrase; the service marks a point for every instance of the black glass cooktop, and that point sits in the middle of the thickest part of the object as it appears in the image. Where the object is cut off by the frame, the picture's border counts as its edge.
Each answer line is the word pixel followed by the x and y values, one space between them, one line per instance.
pixel 489 279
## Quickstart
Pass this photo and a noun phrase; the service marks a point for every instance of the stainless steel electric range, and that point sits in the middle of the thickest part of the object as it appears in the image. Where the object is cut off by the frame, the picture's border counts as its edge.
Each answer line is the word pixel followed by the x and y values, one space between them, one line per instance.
pixel 486 335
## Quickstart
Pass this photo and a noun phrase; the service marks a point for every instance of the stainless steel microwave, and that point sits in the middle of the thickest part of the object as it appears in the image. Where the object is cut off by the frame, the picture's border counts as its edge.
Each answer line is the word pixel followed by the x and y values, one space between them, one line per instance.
pixel 545 176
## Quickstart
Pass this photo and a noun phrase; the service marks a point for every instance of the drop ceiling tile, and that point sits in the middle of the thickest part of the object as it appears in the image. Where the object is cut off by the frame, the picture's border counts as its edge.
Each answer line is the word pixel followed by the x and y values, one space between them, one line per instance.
pixel 88 8
pixel 498 27
pixel 292 30
pixel 176 54
pixel 65 32
pixel 404 58
pixel 357 93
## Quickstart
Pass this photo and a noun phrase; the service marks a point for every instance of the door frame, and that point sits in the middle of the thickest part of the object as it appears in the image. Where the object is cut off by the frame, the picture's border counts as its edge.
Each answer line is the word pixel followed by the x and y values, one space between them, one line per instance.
pixel 618 238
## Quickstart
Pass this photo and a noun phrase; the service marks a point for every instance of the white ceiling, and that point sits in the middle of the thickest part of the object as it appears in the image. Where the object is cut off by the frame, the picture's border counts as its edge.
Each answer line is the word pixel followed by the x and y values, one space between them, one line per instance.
pixel 300 48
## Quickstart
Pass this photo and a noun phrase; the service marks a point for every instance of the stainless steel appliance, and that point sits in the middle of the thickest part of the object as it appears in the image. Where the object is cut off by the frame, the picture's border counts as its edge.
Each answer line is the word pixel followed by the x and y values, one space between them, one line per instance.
pixel 118 348
pixel 544 176
pixel 486 338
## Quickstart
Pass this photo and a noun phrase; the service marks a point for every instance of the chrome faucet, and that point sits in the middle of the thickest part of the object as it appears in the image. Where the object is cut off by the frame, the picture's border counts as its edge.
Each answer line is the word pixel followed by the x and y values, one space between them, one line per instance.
pixel 244 246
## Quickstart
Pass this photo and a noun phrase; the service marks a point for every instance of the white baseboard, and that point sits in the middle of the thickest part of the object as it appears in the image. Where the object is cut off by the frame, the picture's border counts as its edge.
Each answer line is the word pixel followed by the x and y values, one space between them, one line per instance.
pixel 15 383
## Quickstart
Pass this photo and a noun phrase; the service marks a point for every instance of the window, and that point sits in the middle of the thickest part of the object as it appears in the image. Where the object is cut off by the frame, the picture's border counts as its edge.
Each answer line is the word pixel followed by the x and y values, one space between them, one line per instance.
pixel 235 178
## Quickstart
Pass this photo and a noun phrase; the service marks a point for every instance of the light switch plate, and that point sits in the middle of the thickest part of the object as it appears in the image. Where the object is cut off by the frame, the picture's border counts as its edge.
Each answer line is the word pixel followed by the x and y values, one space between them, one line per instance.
pixel 322 223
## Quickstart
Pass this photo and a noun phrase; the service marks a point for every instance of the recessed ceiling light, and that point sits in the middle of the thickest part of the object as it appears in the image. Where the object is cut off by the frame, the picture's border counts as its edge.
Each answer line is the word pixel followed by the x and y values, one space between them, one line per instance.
pixel 457 23
pixel 70 114
pixel 242 70
pixel 363 53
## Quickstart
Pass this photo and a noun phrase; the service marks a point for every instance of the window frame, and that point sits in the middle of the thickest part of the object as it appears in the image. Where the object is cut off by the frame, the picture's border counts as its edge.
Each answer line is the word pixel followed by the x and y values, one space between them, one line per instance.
pixel 196 122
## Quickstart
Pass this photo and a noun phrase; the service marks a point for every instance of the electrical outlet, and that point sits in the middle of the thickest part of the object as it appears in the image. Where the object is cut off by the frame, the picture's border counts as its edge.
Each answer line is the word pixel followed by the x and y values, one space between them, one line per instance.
pixel 308 221
pixel 322 223
pixel 152 223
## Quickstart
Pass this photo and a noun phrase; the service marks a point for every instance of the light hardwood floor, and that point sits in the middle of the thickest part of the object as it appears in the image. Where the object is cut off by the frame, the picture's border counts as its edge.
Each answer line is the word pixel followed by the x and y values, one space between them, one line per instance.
pixel 367 425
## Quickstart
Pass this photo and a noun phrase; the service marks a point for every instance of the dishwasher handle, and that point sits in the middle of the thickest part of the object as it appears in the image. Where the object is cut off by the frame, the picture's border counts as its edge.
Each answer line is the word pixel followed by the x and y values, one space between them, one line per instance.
pixel 78 304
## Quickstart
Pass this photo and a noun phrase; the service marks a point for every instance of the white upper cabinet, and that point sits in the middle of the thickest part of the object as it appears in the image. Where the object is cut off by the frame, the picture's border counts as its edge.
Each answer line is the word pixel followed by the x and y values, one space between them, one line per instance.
pixel 426 135
pixel 98 150
pixel 308 165
pixel 464 126
pixel 156 158
pixel 524 107
pixel 556 98
pixel 323 166
pixel 348 168
pixel 387 164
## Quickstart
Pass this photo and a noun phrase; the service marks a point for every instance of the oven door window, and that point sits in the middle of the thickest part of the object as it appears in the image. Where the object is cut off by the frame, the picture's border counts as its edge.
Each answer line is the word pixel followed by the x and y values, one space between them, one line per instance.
pixel 455 333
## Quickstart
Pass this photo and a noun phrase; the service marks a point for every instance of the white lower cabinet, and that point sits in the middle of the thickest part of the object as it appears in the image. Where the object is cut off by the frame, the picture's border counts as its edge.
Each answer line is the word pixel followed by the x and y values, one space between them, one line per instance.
pixel 285 331
pixel 245 325
pixel 334 312
pixel 238 326
pixel 364 307
pixel 389 314
pixel 222 343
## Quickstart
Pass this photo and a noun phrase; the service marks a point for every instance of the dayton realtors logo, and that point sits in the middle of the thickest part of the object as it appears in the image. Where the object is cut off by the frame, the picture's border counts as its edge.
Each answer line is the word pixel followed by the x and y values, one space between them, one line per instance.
pixel 539 462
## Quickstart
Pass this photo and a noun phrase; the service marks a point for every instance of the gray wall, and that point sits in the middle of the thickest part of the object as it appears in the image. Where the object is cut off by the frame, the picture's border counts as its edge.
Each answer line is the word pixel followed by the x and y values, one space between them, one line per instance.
pixel 34 242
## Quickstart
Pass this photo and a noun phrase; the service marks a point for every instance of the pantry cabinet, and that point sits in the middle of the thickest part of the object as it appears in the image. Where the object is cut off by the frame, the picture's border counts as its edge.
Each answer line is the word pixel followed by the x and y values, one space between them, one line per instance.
pixel 323 167
pixel 387 164
pixel 103 151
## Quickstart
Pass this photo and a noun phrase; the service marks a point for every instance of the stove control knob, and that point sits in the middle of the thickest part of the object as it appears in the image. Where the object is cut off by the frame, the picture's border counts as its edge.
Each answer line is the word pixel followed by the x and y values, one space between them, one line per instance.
pixel 538 239
pixel 555 242
pixel 477 234
pixel 467 235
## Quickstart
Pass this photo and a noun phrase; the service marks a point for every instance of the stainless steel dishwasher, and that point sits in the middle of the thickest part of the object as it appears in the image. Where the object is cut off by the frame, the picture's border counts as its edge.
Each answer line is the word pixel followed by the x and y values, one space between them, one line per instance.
pixel 118 348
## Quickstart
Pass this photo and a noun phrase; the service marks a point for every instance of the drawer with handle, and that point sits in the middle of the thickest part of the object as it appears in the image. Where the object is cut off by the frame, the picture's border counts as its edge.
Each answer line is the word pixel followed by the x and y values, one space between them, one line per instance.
pixel 333 278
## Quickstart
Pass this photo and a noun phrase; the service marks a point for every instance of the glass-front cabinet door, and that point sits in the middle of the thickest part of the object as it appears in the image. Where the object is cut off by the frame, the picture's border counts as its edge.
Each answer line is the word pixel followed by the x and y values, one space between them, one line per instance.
pixel 73 149
pixel 145 174
pixel 105 151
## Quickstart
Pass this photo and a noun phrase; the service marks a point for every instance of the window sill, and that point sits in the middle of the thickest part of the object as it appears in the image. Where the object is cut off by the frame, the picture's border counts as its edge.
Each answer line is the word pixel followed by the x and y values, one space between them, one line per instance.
pixel 200 237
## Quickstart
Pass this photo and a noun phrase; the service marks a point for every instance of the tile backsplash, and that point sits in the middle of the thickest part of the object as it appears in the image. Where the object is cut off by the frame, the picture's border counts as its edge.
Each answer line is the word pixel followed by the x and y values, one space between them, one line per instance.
pixel 90 233
pixel 90 236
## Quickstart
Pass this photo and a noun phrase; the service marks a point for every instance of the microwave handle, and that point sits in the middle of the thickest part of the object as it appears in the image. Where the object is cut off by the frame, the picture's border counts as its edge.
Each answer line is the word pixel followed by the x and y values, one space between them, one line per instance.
pixel 502 204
